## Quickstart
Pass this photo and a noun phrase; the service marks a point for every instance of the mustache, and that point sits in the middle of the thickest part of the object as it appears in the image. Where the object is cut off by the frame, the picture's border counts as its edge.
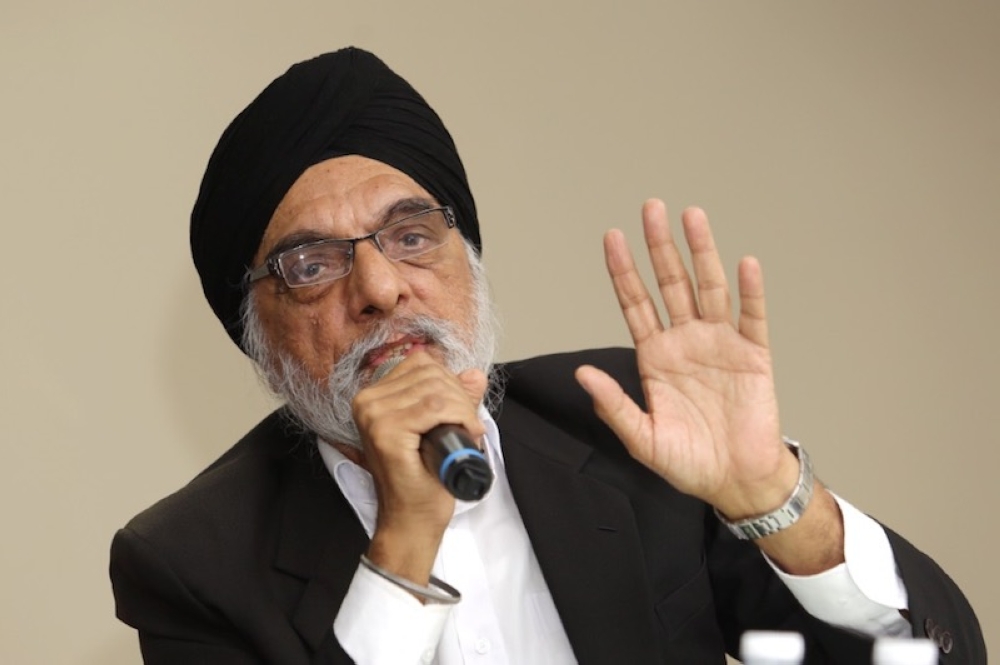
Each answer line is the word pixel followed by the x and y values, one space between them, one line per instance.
pixel 426 328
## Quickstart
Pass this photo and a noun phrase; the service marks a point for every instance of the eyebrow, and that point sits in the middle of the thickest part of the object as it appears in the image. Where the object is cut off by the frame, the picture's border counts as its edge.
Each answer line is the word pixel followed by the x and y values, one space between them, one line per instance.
pixel 405 207
pixel 294 240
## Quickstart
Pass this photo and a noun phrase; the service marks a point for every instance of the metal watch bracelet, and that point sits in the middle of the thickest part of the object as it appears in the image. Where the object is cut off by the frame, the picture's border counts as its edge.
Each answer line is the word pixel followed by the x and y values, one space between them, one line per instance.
pixel 785 516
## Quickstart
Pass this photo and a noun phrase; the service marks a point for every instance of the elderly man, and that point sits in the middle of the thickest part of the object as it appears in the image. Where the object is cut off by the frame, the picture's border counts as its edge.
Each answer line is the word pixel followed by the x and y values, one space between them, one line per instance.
pixel 644 507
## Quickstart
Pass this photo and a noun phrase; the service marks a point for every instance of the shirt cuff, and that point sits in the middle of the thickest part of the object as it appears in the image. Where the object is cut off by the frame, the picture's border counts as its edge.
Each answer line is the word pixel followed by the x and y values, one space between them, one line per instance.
pixel 380 623
pixel 865 593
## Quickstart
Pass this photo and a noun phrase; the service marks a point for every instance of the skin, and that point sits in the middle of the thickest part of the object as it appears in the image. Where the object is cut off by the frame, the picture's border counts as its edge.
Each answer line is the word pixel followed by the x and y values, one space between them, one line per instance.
pixel 343 198
pixel 711 428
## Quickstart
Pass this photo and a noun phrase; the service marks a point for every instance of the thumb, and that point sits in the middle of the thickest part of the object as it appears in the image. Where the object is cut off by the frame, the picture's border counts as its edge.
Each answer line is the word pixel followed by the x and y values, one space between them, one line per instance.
pixel 614 407
pixel 474 382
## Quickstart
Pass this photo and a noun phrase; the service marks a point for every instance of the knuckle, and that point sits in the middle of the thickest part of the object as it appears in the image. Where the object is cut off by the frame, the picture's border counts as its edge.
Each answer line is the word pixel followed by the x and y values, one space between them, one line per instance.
pixel 362 406
pixel 672 279
pixel 433 402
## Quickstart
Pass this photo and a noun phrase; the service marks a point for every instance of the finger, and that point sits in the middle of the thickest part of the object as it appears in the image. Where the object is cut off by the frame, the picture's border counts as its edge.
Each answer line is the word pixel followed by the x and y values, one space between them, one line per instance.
pixel 713 291
pixel 474 383
pixel 394 368
pixel 633 298
pixel 753 314
pixel 415 366
pixel 420 395
pixel 668 265
pixel 414 410
pixel 614 407
pixel 418 374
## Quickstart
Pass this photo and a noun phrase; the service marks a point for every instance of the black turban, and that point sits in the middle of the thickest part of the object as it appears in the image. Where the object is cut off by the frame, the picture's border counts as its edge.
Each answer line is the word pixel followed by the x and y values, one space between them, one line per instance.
pixel 343 103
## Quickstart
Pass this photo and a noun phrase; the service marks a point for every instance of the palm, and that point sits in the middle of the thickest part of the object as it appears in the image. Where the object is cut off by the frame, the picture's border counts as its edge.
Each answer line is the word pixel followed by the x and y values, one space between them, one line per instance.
pixel 711 425
pixel 709 399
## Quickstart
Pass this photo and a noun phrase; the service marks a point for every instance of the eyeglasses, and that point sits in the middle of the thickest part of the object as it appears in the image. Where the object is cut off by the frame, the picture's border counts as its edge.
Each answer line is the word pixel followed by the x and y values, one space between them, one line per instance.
pixel 323 261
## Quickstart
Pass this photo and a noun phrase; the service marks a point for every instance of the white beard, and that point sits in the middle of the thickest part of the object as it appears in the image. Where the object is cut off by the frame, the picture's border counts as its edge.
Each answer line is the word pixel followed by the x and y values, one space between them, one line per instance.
pixel 325 408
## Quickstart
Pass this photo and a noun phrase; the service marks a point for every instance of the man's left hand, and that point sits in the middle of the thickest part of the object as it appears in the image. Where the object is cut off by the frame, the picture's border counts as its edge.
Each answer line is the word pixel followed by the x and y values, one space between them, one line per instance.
pixel 711 429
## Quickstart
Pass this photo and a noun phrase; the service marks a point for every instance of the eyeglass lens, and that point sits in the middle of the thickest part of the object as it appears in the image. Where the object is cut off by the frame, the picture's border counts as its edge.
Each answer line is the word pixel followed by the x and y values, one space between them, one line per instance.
pixel 407 239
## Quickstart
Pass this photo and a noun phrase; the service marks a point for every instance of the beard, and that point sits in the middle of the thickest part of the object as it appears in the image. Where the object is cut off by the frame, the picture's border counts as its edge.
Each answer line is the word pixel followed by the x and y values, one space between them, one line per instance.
pixel 326 407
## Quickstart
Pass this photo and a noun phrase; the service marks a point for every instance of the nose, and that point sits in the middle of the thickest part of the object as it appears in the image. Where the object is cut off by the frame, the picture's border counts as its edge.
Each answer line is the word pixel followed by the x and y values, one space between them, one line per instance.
pixel 376 287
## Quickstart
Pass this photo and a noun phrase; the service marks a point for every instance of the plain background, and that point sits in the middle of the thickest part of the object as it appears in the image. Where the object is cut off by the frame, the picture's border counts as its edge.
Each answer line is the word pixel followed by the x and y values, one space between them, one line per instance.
pixel 853 146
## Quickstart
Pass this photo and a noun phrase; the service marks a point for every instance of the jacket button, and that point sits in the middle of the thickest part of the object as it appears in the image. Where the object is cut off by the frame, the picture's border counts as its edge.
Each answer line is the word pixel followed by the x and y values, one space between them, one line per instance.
pixel 931 629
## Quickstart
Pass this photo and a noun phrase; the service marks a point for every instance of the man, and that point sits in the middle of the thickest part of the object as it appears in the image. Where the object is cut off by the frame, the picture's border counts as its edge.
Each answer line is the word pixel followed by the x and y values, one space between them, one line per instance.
pixel 634 493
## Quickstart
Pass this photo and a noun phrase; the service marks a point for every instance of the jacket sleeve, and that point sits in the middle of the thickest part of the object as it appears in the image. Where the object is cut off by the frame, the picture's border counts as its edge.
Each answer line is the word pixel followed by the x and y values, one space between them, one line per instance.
pixel 748 595
pixel 938 608
pixel 746 592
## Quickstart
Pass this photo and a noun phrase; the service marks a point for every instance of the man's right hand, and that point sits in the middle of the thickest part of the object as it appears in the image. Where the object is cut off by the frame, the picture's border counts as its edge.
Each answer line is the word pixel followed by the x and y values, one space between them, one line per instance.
pixel 413 507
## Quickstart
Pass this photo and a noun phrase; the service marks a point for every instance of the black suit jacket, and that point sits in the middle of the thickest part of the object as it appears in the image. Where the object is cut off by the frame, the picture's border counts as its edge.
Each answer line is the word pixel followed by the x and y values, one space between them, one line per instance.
pixel 250 561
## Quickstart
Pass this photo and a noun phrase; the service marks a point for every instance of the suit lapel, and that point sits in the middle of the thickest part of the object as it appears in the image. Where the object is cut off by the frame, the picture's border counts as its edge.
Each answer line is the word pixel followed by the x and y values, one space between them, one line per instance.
pixel 584 534
pixel 582 530
pixel 320 542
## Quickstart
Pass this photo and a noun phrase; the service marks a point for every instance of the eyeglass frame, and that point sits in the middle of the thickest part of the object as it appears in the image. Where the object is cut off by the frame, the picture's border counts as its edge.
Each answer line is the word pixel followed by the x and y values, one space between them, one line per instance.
pixel 272 264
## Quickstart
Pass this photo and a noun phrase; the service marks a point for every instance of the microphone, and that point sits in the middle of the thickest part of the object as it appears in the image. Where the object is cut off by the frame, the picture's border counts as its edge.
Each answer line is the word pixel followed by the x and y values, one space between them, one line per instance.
pixel 450 454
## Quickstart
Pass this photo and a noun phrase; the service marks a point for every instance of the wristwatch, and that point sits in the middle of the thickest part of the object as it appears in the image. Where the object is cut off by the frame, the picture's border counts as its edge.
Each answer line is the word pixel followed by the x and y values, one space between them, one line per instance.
pixel 789 513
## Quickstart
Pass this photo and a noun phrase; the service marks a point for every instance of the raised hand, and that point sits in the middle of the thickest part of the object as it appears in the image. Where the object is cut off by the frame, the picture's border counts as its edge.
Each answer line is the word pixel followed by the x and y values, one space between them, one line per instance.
pixel 711 428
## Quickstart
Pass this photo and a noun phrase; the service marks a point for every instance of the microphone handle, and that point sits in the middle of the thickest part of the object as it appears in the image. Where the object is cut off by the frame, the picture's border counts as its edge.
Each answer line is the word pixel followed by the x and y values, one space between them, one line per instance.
pixel 449 453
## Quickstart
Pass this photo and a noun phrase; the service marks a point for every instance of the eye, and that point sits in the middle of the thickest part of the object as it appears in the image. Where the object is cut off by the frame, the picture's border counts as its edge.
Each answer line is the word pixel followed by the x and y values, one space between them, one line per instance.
pixel 410 238
pixel 313 265
pixel 304 270
pixel 413 238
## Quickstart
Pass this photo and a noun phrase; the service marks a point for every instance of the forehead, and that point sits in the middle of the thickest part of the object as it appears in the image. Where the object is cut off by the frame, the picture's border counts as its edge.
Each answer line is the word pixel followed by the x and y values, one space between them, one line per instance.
pixel 339 198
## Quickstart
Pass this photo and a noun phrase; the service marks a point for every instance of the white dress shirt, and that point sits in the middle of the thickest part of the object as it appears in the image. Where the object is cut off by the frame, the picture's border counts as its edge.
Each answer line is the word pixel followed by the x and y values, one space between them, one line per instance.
pixel 507 615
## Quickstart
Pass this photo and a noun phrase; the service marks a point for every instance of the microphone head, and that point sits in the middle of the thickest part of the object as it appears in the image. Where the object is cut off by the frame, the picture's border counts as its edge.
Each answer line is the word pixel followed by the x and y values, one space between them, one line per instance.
pixel 387 366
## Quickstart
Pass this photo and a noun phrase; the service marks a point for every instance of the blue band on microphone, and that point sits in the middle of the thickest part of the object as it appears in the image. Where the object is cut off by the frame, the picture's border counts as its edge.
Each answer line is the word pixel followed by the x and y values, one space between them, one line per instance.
pixel 455 456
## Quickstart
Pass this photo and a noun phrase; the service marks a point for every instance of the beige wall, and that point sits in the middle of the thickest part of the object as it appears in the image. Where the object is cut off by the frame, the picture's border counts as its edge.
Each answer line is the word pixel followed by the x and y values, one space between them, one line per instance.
pixel 854 147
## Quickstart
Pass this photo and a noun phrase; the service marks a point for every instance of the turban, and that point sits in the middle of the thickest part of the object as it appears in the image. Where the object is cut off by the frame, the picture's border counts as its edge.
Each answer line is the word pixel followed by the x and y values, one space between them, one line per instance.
pixel 343 103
